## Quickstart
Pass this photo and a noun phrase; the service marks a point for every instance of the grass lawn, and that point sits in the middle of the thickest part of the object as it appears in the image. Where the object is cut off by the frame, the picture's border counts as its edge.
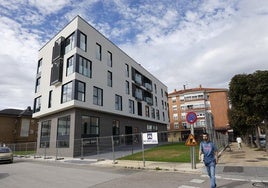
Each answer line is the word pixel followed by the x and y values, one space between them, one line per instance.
pixel 24 152
pixel 175 152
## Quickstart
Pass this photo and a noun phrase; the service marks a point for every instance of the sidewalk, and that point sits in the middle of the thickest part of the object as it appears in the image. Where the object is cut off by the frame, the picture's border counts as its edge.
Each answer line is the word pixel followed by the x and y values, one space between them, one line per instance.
pixel 247 164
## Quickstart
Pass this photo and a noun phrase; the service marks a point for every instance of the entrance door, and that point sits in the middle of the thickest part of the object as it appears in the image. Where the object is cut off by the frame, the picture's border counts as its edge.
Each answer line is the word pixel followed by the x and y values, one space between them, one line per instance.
pixel 128 132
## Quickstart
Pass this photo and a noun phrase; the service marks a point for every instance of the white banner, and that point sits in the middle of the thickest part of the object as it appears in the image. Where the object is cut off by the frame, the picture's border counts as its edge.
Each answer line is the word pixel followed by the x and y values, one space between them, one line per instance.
pixel 150 138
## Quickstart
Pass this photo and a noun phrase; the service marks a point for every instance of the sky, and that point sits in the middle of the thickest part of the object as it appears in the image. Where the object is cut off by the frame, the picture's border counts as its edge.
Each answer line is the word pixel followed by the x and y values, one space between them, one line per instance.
pixel 181 42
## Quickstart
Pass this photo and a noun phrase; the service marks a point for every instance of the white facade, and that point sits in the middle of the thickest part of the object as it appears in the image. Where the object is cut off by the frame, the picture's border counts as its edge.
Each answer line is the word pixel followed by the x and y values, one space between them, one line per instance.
pixel 94 77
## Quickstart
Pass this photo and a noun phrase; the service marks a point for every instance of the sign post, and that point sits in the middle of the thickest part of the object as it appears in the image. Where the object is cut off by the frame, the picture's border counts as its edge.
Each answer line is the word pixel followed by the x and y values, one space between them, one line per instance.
pixel 191 118
pixel 148 138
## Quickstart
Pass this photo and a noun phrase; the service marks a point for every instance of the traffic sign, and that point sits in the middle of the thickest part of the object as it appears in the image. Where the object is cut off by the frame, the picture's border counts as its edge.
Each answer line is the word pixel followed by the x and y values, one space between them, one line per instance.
pixel 191 117
pixel 191 141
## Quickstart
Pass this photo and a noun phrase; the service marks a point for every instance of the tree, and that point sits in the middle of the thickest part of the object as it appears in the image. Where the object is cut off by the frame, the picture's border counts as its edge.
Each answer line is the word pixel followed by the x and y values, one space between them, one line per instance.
pixel 248 95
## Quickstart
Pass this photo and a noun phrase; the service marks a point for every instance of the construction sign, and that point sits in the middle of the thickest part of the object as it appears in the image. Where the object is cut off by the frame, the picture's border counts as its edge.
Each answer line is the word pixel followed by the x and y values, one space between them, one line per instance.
pixel 191 141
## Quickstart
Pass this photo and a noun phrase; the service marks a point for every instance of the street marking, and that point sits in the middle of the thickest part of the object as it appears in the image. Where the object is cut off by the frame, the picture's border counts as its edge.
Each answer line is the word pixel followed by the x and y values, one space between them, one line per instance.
pixel 187 186
pixel 197 181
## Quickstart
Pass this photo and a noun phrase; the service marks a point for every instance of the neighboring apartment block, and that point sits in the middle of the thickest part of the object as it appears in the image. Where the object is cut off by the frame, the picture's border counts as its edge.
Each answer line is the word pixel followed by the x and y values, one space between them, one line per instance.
pixel 88 87
pixel 209 104
pixel 17 126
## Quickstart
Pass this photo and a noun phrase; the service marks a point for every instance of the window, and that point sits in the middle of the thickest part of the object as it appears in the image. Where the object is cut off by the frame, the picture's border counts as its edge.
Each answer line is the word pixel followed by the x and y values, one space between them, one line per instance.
pixel 70 66
pixel 131 106
pixel 69 43
pixel 127 87
pixel 162 93
pixel 80 91
pixel 37 104
pixel 176 125
pixel 153 113
pixel 67 90
pixel 139 108
pixel 164 117
pixel 175 108
pixel 152 128
pixel 98 51
pixel 39 65
pixel 147 111
pixel 84 66
pixel 155 99
pixel 175 117
pixel 118 102
pixel 173 99
pixel 25 125
pixel 37 84
pixel 90 126
pixel 126 70
pixel 50 99
pixel 157 114
pixel 45 134
pixel 82 41
pixel 163 106
pixel 110 59
pixel 63 132
pixel 109 78
pixel 155 89
pixel 97 96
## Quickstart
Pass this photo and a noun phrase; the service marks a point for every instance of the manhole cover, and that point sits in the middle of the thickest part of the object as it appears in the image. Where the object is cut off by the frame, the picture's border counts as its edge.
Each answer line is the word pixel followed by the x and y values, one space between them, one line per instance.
pixel 238 169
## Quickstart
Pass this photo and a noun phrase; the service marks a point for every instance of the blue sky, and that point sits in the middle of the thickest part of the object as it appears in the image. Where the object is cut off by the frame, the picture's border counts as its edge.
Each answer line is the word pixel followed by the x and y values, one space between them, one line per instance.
pixel 181 42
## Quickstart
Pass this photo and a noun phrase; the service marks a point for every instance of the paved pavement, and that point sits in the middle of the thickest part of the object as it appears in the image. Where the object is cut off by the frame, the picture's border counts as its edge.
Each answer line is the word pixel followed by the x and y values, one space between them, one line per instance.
pixel 247 164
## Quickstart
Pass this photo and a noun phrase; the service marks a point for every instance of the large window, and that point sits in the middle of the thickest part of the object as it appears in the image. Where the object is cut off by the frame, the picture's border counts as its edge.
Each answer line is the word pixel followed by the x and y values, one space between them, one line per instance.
pixel 110 59
pixel 109 78
pixel 37 104
pixel 90 126
pixel 67 91
pixel 80 91
pixel 82 41
pixel 98 51
pixel 69 43
pixel 118 102
pixel 63 132
pixel 97 96
pixel 70 66
pixel 131 106
pixel 45 134
pixel 84 66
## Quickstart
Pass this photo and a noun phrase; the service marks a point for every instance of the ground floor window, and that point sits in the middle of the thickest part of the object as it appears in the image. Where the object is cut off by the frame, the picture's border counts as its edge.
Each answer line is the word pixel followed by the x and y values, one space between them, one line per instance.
pixel 45 134
pixel 90 126
pixel 63 132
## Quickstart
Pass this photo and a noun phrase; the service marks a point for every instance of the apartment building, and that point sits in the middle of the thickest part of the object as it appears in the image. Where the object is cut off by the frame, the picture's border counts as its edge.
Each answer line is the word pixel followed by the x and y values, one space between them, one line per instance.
pixel 87 87
pixel 209 104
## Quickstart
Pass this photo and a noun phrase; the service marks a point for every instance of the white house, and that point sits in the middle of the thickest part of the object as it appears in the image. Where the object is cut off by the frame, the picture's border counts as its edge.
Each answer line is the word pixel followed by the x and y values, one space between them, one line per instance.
pixel 88 87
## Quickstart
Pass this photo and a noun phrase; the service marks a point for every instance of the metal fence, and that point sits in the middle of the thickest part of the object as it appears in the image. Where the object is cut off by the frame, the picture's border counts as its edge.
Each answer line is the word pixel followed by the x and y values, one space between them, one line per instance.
pixel 101 148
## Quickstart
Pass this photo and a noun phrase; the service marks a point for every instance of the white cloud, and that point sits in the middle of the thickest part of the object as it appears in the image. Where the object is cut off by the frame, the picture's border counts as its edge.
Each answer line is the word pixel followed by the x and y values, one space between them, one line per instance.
pixel 180 42
pixel 49 6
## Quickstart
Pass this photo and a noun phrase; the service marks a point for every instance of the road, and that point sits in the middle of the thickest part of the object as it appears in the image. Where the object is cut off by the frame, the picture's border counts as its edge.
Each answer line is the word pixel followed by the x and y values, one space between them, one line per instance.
pixel 55 174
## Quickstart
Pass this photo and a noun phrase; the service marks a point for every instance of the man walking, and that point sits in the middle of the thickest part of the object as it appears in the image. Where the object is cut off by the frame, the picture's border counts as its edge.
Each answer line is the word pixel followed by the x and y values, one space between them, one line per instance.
pixel 210 158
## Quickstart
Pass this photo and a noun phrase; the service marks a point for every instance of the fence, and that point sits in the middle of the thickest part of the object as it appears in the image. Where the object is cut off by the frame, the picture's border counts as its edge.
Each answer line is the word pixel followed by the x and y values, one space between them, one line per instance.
pixel 110 147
